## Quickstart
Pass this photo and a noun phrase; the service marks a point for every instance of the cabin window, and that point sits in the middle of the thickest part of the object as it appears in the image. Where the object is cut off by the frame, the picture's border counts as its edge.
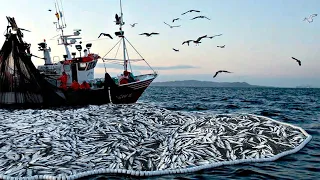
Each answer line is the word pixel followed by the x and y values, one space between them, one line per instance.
pixel 92 65
pixel 66 67
pixel 89 66
pixel 82 66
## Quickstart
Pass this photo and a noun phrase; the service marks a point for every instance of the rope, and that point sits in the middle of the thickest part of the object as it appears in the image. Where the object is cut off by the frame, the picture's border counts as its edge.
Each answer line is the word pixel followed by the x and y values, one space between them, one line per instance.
pixel 37 56
pixel 109 95
pixel 117 50
pixel 111 49
pixel 171 171
pixel 64 20
pixel 95 40
pixel 140 55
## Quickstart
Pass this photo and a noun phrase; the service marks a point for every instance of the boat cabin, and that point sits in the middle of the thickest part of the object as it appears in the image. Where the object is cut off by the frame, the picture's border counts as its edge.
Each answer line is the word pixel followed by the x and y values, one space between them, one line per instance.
pixel 77 68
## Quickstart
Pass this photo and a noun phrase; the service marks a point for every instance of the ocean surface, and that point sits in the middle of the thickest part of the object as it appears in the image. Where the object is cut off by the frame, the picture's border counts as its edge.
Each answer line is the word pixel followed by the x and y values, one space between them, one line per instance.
pixel 300 107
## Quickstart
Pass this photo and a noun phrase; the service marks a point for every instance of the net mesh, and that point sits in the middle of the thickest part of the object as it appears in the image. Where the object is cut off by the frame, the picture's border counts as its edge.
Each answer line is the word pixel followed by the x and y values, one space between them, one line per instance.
pixel 21 83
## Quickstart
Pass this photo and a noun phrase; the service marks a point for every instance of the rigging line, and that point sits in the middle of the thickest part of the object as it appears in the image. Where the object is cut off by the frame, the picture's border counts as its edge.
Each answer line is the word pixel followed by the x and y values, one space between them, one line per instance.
pixel 115 63
pixel 117 50
pixel 95 40
pixel 111 49
pixel 139 54
pixel 112 59
pixel 58 6
pixel 55 4
pixel 104 64
pixel 64 20
pixel 60 14
pixel 37 56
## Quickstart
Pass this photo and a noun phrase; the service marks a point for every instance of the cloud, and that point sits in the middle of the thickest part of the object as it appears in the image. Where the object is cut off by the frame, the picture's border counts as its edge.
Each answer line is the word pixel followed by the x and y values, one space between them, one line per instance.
pixel 135 67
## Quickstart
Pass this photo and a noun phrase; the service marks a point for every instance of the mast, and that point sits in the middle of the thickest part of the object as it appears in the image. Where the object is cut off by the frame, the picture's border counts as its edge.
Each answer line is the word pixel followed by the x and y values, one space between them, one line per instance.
pixel 125 61
pixel 60 27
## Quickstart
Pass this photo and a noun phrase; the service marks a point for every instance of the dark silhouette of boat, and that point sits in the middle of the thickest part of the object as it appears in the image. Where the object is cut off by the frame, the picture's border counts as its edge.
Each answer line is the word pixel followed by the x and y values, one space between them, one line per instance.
pixel 22 85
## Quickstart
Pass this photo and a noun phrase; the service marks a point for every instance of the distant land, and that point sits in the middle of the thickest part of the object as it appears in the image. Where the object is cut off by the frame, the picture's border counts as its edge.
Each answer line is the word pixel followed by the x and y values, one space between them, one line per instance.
pixel 196 83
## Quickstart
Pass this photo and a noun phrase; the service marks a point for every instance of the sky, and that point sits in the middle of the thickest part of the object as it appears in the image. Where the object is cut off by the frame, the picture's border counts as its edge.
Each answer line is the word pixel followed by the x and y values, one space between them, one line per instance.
pixel 260 38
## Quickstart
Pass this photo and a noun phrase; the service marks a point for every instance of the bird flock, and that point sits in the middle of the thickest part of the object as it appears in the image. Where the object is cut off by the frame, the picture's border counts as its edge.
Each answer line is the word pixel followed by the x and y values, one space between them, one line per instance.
pixel 198 40
pixel 187 42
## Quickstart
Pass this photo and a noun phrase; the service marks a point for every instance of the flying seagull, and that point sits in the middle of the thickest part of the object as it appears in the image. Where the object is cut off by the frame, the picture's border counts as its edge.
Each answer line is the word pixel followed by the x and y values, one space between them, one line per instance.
pixel 105 34
pixel 190 11
pixel 197 42
pixel 199 17
pixel 310 18
pixel 299 62
pixel 149 34
pixel 221 46
pixel 199 38
pixel 188 41
pixel 171 26
pixel 175 19
pixel 220 71
pixel 214 36
pixel 175 49
pixel 132 25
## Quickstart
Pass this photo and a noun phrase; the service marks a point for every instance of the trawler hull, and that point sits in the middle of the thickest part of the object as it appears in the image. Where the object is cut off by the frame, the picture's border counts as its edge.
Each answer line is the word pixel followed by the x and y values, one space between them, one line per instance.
pixel 123 94
pixel 110 93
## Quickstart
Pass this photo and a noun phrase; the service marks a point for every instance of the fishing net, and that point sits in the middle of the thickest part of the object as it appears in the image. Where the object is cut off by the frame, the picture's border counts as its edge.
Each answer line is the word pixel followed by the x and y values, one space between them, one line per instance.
pixel 21 84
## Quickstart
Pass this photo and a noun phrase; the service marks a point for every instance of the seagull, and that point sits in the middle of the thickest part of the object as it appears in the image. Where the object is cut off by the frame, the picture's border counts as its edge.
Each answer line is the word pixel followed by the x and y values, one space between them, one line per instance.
pixel 104 34
pixel 299 62
pixel 118 19
pixel 199 17
pixel 175 49
pixel 175 19
pixel 214 36
pixel 149 34
pixel 171 26
pixel 190 11
pixel 197 42
pixel 220 71
pixel 310 18
pixel 49 9
pixel 199 38
pixel 188 41
pixel 132 25
pixel 221 46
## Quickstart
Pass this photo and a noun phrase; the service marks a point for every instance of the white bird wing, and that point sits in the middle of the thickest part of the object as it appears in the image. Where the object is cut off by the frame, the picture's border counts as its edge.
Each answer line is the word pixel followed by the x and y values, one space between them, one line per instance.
pixel 313 15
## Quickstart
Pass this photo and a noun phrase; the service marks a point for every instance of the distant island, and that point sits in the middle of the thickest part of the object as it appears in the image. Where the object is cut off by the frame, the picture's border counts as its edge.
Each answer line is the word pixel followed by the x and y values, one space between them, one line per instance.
pixel 195 83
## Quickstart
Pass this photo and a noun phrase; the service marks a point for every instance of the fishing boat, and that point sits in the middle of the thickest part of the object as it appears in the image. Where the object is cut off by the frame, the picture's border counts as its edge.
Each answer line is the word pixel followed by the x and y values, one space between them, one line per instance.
pixel 45 79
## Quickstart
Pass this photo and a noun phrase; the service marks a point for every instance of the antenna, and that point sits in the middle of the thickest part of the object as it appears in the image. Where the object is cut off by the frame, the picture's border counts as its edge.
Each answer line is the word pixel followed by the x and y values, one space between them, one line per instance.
pixel 79 48
pixel 88 46
pixel 74 54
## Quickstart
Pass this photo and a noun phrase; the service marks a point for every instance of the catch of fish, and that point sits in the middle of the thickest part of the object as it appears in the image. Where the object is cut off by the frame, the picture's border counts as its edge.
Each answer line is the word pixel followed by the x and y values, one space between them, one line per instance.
pixel 135 138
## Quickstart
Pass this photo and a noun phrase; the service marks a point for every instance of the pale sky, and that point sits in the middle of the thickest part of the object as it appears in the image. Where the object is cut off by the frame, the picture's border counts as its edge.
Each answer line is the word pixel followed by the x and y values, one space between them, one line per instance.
pixel 260 36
